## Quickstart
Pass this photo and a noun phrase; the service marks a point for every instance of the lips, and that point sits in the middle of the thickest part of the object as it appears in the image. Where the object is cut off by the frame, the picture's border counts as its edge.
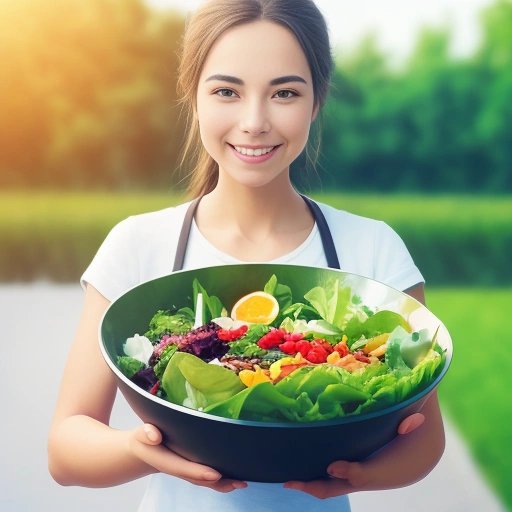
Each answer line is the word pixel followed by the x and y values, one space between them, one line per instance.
pixel 253 151
pixel 254 154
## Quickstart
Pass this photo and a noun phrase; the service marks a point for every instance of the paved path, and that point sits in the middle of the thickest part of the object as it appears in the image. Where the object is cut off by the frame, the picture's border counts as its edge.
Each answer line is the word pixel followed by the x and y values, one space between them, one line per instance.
pixel 37 325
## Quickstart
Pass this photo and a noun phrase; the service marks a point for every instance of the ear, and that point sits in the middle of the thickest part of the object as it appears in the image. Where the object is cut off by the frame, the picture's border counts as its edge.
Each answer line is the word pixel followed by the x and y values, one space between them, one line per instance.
pixel 316 109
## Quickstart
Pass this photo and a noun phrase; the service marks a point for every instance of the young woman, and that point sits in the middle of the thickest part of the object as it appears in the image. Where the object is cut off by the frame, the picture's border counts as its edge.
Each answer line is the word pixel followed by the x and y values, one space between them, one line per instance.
pixel 254 75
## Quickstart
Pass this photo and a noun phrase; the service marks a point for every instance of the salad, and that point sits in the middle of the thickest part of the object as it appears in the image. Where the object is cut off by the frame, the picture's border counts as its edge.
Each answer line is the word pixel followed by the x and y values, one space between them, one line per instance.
pixel 275 357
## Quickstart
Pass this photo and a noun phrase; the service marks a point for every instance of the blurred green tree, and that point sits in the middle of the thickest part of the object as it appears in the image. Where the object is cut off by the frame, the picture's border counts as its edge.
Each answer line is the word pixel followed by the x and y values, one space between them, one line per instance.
pixel 437 124
pixel 88 100
pixel 89 93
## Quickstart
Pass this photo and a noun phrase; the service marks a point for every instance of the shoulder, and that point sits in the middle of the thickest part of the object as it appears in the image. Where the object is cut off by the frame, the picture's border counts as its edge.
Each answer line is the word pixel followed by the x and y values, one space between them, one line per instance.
pixel 139 248
pixel 146 231
pixel 168 219
pixel 371 248
pixel 344 223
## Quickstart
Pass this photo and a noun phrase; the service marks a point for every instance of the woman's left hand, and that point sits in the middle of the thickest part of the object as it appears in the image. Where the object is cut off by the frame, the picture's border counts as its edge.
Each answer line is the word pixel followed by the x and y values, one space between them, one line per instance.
pixel 347 477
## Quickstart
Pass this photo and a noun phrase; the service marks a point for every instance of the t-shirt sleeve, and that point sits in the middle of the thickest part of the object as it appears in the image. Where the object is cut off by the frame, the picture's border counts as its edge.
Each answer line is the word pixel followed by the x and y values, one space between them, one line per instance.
pixel 114 268
pixel 393 263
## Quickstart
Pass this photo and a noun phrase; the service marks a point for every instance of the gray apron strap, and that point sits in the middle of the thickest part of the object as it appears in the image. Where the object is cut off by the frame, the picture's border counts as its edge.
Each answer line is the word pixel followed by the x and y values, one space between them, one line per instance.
pixel 323 228
pixel 184 234
pixel 325 234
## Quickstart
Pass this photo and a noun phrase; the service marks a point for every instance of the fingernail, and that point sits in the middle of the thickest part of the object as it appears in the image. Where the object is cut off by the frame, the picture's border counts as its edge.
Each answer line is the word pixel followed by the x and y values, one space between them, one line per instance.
pixel 151 434
pixel 405 426
pixel 211 475
pixel 239 485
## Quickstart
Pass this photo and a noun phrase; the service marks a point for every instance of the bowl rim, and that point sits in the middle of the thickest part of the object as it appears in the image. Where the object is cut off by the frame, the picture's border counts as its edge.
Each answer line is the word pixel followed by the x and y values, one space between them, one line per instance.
pixel 267 424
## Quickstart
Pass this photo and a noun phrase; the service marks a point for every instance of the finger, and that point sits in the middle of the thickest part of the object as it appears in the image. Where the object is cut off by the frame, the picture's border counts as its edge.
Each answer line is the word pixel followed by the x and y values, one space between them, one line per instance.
pixel 167 461
pixel 147 447
pixel 321 489
pixel 223 485
pixel 353 472
pixel 411 423
pixel 148 434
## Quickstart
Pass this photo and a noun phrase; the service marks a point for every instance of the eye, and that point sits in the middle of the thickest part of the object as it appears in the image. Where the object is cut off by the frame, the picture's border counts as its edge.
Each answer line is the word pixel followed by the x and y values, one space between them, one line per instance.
pixel 285 94
pixel 225 93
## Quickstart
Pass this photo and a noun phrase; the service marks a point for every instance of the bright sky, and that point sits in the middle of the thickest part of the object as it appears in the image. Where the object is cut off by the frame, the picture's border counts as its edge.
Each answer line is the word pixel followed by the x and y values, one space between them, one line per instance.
pixel 396 22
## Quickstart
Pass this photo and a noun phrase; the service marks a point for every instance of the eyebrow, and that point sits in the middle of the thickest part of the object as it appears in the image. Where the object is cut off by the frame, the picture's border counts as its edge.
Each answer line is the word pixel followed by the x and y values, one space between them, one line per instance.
pixel 275 81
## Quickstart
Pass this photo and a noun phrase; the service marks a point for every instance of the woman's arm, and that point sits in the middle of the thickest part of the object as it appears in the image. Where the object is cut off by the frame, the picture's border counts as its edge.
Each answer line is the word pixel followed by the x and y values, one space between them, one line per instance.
pixel 82 448
pixel 403 461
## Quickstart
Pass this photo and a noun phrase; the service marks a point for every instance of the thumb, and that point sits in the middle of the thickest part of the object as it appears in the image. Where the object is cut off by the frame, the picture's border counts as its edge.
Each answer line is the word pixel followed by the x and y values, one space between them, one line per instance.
pixel 148 434
pixel 411 423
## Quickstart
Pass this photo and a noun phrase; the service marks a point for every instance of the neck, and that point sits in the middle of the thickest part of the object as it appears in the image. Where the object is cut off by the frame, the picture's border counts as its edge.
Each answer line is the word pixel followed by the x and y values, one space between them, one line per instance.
pixel 273 207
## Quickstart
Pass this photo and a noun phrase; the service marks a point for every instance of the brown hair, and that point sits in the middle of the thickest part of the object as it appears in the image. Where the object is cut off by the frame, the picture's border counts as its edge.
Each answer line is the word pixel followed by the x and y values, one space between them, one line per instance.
pixel 209 22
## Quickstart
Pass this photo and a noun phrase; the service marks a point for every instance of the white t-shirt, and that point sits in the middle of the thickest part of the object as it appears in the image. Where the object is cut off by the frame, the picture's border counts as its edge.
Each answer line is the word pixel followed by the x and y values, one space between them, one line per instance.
pixel 143 247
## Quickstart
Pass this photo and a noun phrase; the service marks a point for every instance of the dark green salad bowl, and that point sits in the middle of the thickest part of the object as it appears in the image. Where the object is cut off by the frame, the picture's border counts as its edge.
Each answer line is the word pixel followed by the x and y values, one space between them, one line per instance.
pixel 263 451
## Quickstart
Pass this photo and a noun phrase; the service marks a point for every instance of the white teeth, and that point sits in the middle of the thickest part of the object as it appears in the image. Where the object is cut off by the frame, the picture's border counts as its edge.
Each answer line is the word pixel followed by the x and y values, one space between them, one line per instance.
pixel 253 152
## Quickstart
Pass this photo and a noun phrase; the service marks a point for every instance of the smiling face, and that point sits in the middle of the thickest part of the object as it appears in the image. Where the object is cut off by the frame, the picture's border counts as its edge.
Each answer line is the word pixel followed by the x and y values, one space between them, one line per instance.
pixel 255 103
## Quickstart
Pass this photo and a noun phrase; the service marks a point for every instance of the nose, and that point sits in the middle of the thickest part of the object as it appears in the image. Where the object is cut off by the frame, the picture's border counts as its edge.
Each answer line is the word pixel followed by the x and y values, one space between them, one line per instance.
pixel 255 118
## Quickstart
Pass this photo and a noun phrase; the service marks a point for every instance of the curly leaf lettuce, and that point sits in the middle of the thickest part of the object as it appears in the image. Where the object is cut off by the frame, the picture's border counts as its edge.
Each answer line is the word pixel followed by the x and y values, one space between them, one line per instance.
pixel 165 322
pixel 311 393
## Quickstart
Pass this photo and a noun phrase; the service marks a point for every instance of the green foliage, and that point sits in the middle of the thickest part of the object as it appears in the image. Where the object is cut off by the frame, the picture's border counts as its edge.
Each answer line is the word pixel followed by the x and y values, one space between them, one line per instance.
pixel 92 103
pixel 91 88
pixel 475 392
pixel 439 123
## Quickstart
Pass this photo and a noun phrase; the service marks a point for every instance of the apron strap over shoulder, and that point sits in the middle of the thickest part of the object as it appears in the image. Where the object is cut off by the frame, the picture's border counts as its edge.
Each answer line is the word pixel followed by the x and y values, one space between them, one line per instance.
pixel 325 234
pixel 181 250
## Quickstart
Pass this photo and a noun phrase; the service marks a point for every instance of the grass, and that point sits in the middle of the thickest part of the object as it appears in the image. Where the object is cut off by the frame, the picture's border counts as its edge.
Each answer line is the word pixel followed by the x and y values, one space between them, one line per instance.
pixel 431 210
pixel 476 390
pixel 24 206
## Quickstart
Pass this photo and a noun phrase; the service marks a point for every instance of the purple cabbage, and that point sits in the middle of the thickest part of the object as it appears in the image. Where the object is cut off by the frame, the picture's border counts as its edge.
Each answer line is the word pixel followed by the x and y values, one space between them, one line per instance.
pixel 145 378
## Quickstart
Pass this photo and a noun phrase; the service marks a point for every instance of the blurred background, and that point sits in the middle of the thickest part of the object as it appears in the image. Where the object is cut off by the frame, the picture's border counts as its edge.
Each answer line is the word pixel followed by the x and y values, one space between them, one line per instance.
pixel 416 132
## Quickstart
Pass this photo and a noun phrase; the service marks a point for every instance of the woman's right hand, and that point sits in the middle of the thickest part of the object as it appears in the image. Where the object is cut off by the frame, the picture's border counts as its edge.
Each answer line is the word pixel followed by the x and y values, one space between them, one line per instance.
pixel 145 443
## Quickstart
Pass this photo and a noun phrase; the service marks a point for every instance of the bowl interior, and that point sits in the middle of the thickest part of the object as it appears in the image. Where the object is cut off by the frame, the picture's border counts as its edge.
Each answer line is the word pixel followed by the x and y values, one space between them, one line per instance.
pixel 131 312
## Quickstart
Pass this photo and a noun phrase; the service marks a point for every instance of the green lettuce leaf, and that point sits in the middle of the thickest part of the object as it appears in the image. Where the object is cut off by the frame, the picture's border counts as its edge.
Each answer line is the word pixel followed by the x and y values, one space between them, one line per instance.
pixel 165 357
pixel 331 302
pixel 129 366
pixel 394 357
pixel 282 293
pixel 247 346
pixel 379 323
pixel 311 393
pixel 262 402
pixel 300 311
pixel 165 322
pixel 189 381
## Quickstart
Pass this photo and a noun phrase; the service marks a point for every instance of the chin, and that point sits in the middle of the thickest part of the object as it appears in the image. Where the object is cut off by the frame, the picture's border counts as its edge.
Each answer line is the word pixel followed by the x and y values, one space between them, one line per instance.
pixel 257 179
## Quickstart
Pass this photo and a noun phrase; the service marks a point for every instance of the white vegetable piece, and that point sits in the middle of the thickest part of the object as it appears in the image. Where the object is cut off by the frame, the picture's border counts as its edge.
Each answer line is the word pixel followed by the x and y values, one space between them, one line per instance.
pixel 226 322
pixel 138 347
pixel 198 322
